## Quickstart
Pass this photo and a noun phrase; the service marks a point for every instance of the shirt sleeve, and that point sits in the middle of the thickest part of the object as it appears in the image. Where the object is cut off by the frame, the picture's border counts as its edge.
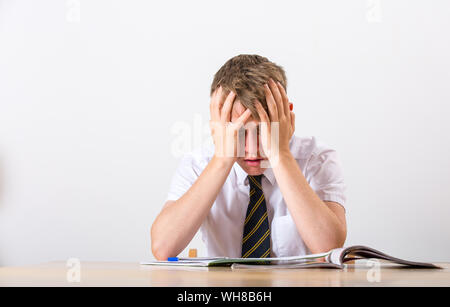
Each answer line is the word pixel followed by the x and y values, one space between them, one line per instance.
pixel 186 174
pixel 326 176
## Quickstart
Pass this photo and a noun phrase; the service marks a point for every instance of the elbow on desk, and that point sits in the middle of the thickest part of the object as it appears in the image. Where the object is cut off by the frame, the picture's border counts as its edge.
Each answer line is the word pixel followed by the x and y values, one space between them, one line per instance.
pixel 325 247
pixel 160 249
pixel 159 254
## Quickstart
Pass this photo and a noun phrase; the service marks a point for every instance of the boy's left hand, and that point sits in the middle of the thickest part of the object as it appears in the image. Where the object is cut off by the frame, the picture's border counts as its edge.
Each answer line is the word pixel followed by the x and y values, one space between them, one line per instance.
pixel 280 113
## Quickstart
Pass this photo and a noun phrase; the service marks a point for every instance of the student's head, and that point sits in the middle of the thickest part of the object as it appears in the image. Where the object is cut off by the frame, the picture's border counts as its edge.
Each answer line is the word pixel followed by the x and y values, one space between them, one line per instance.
pixel 246 75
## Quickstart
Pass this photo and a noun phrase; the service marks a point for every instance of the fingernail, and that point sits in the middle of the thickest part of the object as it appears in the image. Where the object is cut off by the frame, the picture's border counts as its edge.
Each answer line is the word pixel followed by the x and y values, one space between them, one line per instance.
pixel 291 106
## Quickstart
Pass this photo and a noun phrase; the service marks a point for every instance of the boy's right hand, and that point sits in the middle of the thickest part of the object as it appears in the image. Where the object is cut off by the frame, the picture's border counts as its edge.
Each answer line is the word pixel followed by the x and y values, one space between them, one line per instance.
pixel 225 132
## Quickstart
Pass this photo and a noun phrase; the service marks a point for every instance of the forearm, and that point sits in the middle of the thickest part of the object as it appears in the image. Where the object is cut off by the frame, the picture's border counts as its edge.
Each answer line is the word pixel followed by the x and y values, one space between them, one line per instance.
pixel 318 225
pixel 179 221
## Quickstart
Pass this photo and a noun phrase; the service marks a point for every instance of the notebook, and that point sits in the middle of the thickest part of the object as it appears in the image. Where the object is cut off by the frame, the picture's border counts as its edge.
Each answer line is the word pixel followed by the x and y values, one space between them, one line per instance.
pixel 335 258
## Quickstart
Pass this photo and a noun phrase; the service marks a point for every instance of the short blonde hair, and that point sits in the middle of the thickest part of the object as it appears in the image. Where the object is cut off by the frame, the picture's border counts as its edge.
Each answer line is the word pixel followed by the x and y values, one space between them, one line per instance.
pixel 246 75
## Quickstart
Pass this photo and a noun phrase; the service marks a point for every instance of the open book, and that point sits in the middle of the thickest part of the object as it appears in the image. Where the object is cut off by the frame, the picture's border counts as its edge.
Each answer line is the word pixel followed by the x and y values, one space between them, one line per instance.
pixel 335 258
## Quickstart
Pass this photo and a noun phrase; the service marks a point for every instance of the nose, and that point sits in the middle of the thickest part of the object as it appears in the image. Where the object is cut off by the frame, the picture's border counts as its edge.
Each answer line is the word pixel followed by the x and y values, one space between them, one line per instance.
pixel 251 143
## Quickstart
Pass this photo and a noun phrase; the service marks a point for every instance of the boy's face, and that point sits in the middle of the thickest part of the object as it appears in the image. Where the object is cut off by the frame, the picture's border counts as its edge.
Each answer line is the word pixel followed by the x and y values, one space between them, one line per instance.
pixel 251 162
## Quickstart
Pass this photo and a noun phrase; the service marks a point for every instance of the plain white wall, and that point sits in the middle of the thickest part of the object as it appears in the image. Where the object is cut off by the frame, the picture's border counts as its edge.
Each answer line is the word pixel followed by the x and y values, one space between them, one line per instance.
pixel 91 92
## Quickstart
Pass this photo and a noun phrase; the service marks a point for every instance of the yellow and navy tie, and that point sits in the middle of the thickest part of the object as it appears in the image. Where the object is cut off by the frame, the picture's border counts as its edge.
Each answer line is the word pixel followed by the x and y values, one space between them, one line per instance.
pixel 256 237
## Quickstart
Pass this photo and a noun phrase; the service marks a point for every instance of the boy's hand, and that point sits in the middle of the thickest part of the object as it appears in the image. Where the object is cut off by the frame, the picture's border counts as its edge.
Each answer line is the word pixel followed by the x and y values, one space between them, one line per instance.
pixel 280 113
pixel 223 131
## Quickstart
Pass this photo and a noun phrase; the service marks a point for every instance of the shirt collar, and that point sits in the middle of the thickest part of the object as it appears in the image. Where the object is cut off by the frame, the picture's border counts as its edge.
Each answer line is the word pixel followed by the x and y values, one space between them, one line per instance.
pixel 241 175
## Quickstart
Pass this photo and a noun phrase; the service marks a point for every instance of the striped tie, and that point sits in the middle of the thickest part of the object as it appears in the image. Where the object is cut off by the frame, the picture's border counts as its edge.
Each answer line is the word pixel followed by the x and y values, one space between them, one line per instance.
pixel 256 237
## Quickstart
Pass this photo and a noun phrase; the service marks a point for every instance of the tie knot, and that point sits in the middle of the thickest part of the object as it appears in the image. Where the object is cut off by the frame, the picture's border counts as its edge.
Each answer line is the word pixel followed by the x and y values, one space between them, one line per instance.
pixel 255 181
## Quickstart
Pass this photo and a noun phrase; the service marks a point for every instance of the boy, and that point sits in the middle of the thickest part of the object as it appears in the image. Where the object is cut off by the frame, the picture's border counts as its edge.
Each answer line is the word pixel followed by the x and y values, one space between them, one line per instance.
pixel 279 195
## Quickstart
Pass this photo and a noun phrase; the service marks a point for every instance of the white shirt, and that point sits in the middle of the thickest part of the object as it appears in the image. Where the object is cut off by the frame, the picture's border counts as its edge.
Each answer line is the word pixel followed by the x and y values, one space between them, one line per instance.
pixel 223 228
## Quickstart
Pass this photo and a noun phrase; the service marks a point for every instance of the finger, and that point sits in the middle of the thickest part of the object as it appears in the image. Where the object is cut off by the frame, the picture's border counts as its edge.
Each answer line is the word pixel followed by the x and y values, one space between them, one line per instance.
pixel 261 112
pixel 217 94
pixel 270 100
pixel 214 94
pixel 243 118
pixel 278 99
pixel 214 105
pixel 272 106
pixel 220 99
pixel 225 113
pixel 284 98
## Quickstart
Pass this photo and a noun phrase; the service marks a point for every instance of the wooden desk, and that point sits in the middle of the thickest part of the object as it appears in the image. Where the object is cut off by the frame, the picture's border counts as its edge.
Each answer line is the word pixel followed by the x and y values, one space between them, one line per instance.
pixel 132 274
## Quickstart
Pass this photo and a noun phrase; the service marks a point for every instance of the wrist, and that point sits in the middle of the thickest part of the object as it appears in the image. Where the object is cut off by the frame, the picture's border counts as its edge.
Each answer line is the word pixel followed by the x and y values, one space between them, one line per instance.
pixel 282 157
pixel 224 163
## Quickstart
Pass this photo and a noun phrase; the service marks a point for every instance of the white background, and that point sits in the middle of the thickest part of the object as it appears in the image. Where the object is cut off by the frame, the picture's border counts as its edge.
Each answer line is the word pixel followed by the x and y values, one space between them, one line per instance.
pixel 90 90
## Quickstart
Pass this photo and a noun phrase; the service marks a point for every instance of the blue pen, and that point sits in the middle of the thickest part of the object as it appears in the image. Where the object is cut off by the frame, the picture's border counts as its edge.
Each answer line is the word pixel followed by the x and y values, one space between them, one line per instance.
pixel 172 259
